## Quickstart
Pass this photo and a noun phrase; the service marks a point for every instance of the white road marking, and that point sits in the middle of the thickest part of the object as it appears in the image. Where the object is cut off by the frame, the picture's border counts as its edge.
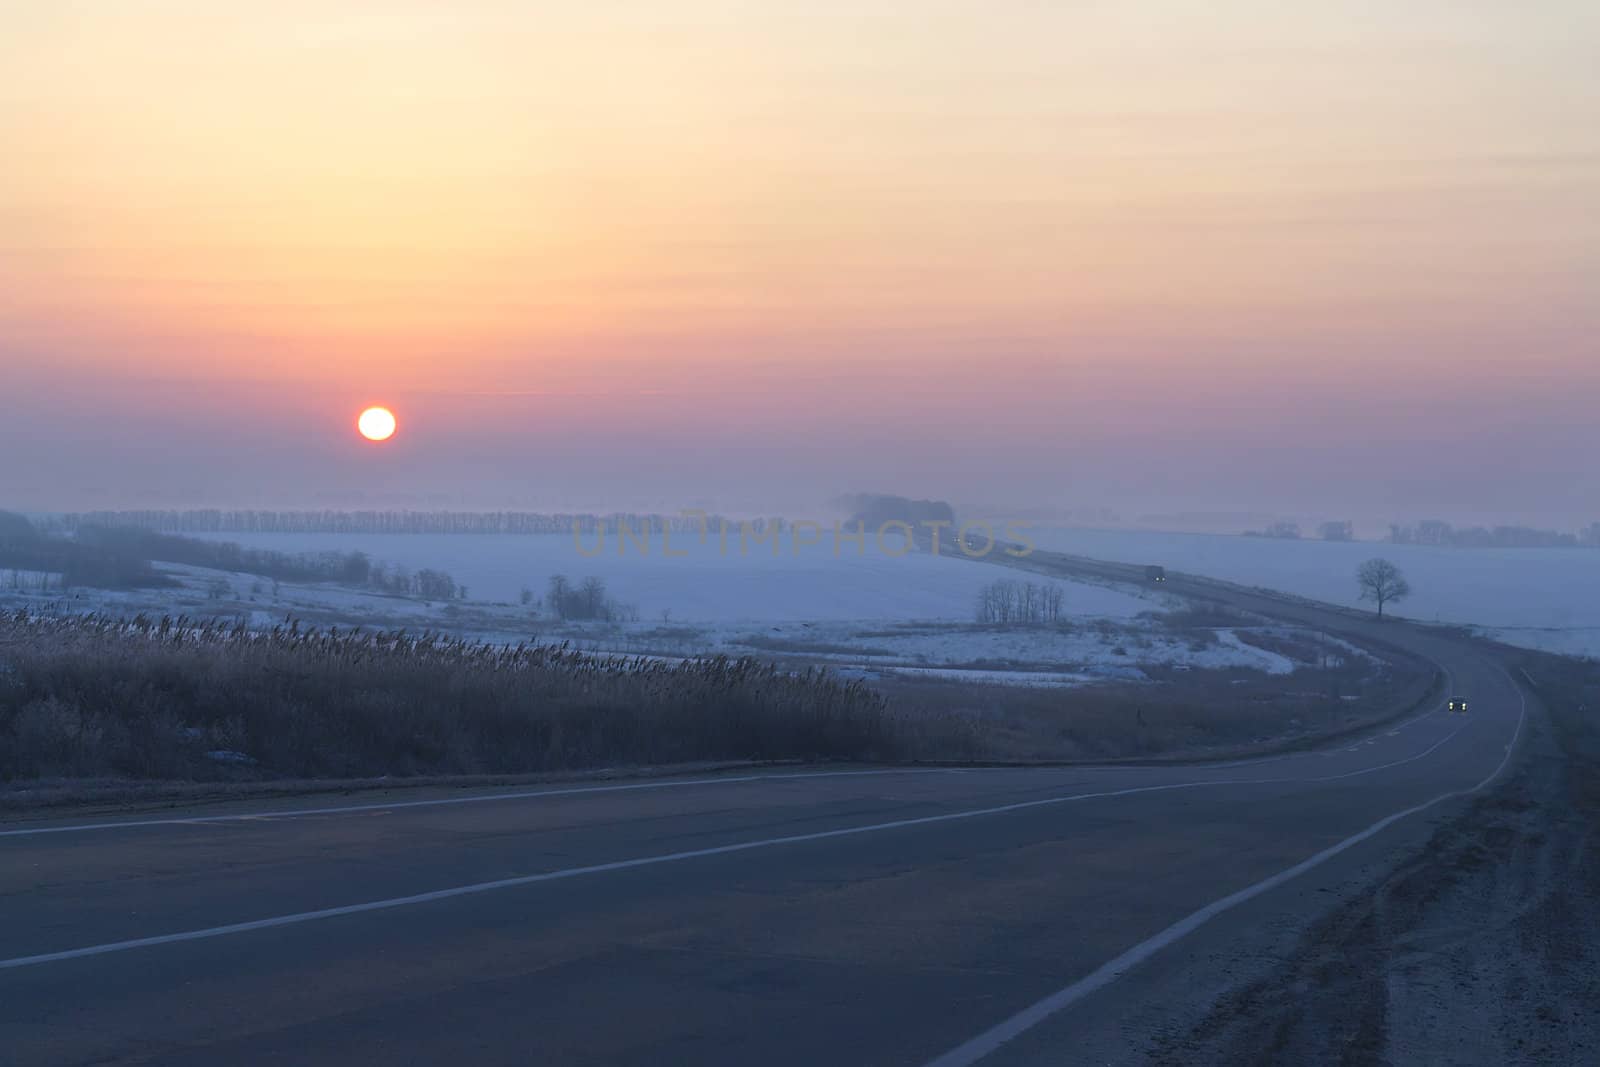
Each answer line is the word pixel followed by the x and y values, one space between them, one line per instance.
pixel 987 1042
pixel 476 798
pixel 671 857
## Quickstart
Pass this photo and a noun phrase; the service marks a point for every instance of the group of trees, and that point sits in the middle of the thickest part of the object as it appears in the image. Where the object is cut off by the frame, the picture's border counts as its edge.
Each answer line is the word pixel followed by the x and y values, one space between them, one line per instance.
pixel 1006 601
pixel 426 583
pixel 585 601
pixel 102 563
pixel 354 568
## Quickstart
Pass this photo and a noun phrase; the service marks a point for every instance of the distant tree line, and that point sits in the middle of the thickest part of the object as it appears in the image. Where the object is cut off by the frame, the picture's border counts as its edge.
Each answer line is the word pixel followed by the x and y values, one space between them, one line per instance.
pixel 79 562
pixel 1335 530
pixel 1025 602
pixel 111 557
pixel 347 568
pixel 351 568
pixel 1441 533
pixel 1280 531
pixel 213 520
pixel 873 510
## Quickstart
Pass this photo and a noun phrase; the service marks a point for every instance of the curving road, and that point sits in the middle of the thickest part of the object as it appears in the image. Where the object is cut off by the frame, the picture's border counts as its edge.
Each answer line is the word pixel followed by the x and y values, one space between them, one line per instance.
pixel 876 916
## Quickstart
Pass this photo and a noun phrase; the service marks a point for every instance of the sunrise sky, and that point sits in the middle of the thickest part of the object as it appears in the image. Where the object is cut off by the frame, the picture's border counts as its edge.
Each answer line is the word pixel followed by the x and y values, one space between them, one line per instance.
pixel 1338 259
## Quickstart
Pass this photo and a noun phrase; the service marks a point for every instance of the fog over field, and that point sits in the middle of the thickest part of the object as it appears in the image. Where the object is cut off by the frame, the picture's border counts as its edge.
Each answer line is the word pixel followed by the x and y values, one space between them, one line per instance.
pixel 1544 597
pixel 707 584
pixel 1547 598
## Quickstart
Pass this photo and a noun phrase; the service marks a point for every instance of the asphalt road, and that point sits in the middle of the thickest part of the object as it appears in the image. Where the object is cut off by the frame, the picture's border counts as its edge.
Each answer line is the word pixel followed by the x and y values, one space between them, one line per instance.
pixel 876 916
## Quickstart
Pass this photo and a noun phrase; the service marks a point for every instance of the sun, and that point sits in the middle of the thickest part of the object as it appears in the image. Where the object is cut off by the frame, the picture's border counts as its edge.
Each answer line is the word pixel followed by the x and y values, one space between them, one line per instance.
pixel 376 424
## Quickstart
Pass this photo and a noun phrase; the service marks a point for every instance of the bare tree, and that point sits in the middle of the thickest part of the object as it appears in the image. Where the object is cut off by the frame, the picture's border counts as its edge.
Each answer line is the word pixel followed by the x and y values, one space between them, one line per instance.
pixel 1053 596
pixel 1028 602
pixel 560 595
pixel 593 595
pixel 1005 594
pixel 1382 582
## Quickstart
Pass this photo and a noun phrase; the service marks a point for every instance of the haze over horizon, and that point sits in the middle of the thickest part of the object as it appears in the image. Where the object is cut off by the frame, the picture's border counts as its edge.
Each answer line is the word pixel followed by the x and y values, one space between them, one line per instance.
pixel 1336 260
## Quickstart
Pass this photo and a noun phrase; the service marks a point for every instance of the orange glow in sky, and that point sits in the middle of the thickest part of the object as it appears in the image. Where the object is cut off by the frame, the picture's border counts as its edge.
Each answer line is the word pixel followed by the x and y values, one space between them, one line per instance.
pixel 898 224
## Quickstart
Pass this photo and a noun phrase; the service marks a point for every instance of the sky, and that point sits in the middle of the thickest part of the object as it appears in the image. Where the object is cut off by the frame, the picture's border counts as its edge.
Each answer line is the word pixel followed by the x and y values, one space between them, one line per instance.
pixel 1334 260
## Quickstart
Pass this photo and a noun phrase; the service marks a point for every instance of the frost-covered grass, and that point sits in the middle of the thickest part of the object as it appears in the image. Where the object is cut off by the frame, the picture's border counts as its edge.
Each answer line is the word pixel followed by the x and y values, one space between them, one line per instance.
pixel 1538 597
pixel 96 698
pixel 1195 712
pixel 174 698
pixel 102 698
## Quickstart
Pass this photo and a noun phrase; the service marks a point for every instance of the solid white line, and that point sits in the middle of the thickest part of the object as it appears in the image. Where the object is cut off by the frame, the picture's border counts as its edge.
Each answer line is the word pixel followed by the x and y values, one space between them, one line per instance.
pixel 987 1042
pixel 672 857
pixel 476 798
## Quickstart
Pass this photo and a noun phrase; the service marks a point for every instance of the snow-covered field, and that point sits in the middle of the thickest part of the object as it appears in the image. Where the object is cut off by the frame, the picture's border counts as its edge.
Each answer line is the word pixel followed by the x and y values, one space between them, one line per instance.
pixel 903 614
pixel 708 585
pixel 1539 598
pixel 1543 598
pixel 882 614
pixel 1076 651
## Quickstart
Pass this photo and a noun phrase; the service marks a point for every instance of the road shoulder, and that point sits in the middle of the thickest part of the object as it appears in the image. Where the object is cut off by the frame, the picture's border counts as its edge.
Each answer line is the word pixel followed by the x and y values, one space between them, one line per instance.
pixel 1481 947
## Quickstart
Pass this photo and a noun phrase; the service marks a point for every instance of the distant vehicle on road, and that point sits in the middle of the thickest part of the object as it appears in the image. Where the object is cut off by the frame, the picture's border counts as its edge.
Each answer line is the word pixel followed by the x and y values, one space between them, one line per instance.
pixel 1458 705
pixel 1155 574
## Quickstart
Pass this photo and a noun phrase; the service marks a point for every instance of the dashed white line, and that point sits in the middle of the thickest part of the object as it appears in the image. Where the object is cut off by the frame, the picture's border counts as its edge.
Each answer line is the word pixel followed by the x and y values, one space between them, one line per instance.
pixel 476 798
pixel 671 857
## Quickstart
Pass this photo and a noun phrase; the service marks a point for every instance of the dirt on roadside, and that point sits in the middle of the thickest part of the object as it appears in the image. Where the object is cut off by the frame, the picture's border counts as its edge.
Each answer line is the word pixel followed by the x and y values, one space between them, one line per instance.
pixel 1482 949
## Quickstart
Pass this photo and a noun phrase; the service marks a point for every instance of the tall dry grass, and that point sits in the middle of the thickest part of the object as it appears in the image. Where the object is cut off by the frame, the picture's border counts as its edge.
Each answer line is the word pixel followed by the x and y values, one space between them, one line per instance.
pixel 169 698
